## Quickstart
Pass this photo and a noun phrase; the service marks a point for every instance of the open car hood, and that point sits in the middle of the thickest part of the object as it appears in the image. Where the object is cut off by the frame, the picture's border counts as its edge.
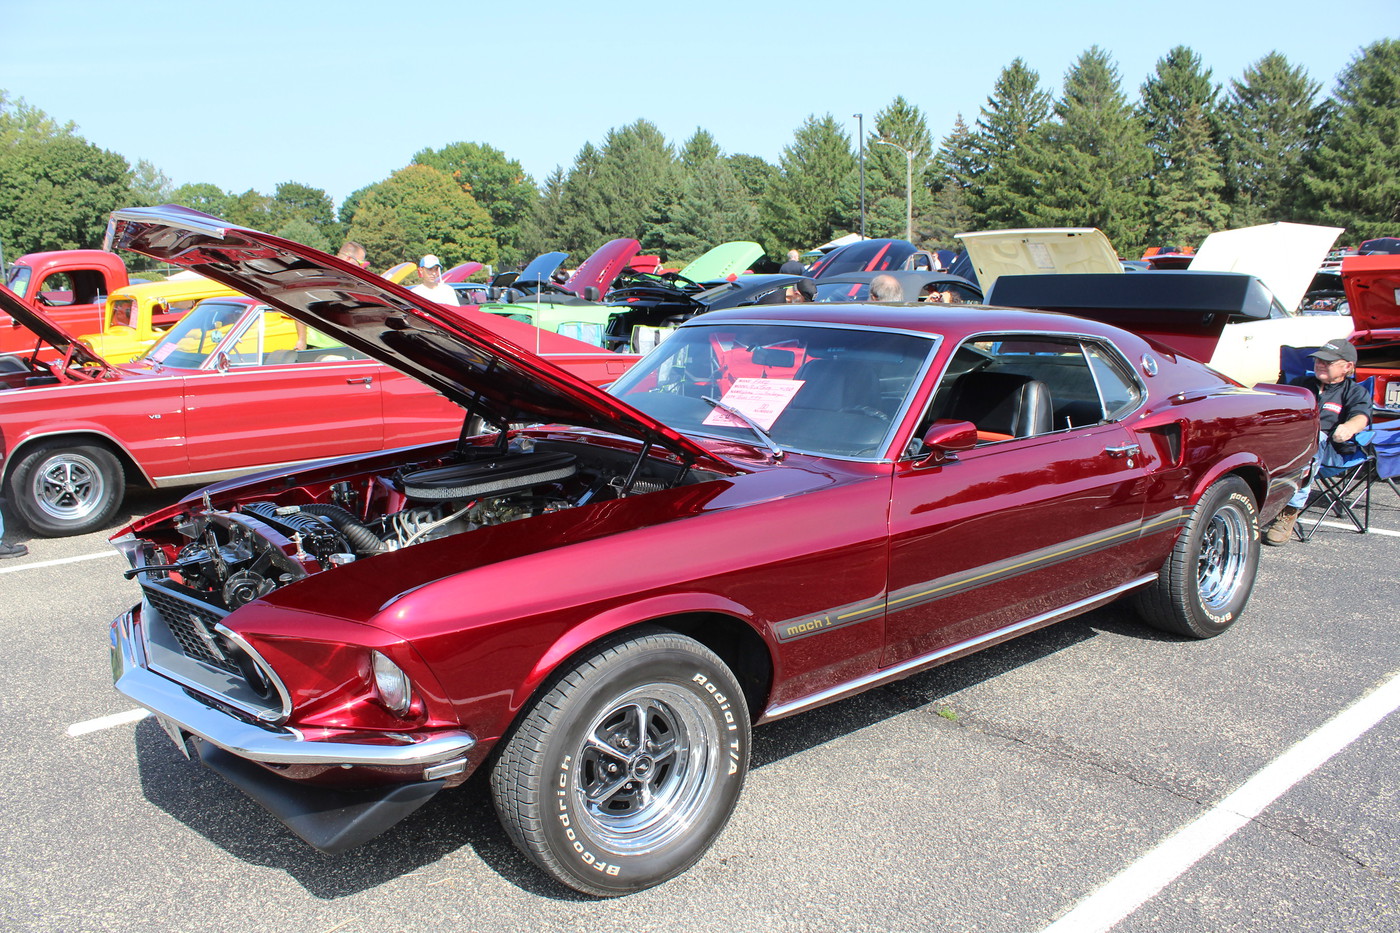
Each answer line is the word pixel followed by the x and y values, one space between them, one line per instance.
pixel 1283 256
pixel 44 328
pixel 1038 251
pixel 469 364
pixel 1183 310
pixel 723 260
pixel 1372 285
pixel 602 268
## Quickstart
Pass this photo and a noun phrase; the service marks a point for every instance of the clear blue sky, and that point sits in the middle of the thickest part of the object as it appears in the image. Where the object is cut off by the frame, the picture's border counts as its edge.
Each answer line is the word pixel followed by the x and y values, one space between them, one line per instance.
pixel 338 95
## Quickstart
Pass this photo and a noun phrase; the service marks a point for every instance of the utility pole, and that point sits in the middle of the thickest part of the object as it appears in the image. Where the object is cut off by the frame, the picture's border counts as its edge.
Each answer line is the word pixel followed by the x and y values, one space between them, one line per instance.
pixel 861 132
pixel 908 188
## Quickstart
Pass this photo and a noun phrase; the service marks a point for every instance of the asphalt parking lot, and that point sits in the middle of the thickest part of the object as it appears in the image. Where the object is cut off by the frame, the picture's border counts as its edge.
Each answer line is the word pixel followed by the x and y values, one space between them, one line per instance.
pixel 997 793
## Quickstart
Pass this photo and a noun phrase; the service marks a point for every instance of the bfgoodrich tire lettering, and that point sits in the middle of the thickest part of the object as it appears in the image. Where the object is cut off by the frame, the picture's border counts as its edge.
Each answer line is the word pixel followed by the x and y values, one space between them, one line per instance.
pixel 67 489
pixel 1207 579
pixel 625 772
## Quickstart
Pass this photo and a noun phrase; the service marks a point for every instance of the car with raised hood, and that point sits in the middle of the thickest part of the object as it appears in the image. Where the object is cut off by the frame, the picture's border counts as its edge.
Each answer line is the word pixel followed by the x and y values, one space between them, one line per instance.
pixel 591 600
pixel 233 387
pixel 1283 256
pixel 878 255
pixel 573 306
pixel 1372 284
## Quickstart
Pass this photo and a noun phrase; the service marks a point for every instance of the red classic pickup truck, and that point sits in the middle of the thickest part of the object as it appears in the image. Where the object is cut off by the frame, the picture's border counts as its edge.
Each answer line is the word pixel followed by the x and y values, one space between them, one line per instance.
pixel 71 286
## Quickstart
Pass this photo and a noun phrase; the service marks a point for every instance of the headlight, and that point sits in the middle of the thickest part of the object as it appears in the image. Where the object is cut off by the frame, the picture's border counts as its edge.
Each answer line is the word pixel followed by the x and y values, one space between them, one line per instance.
pixel 395 692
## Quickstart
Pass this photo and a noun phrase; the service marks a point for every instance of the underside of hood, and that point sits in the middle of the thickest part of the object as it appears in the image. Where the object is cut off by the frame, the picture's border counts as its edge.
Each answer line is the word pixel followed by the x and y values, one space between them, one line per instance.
pixel 480 370
pixel 46 329
pixel 1039 251
pixel 1284 256
pixel 1372 285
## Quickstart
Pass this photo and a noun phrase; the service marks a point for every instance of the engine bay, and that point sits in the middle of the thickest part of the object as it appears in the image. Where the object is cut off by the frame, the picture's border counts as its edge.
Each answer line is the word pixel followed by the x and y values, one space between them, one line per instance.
pixel 227 554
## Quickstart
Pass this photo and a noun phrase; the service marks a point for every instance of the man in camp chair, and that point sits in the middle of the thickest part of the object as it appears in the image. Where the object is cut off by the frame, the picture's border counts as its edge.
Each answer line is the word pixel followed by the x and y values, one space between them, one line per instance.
pixel 1344 410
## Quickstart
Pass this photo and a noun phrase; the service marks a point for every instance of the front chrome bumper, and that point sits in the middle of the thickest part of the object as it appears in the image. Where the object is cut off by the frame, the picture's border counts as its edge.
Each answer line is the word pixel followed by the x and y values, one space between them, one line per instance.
pixel 439 755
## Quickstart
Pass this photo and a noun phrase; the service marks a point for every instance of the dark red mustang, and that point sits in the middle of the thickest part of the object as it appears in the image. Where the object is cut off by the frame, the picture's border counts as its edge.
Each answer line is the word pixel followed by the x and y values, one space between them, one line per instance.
pixel 593 596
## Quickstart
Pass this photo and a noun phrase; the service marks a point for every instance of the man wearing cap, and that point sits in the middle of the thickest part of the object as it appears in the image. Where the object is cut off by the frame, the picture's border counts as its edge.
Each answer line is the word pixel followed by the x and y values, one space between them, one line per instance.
pixel 1344 408
pixel 430 284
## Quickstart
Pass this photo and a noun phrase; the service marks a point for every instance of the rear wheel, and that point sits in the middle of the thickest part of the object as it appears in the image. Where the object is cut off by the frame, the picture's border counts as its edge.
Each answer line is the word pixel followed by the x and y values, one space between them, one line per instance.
pixel 623 774
pixel 66 489
pixel 1207 579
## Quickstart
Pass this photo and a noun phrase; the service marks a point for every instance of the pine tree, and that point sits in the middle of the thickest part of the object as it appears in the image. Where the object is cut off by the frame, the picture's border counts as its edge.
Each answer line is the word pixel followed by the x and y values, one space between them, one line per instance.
pixel 1267 124
pixel 814 194
pixel 1353 178
pixel 1089 166
pixel 999 171
pixel 899 128
pixel 1178 110
pixel 949 178
pixel 635 170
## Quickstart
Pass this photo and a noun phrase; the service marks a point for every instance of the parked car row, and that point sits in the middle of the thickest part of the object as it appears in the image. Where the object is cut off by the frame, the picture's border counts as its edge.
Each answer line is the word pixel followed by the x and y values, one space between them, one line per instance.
pixel 590 596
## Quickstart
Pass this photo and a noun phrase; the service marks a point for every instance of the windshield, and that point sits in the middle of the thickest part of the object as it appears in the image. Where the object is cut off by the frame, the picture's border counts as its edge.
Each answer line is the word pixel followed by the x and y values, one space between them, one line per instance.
pixel 188 344
pixel 19 280
pixel 813 388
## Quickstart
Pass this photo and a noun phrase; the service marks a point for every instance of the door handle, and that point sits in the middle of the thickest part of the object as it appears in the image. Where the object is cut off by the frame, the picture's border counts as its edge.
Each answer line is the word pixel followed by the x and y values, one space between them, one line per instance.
pixel 1127 450
pixel 361 381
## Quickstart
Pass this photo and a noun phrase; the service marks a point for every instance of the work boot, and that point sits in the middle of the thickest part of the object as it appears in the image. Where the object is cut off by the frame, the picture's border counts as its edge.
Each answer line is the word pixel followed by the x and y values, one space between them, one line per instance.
pixel 12 550
pixel 1281 528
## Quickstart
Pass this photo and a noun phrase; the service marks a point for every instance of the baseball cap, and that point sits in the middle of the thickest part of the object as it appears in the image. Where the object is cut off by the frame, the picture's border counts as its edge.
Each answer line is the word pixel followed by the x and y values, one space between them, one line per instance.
pixel 1337 349
pixel 429 261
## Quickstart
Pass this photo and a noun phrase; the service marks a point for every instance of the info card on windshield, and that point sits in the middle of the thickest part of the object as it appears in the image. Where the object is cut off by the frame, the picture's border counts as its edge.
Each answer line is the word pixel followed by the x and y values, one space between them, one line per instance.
pixel 763 400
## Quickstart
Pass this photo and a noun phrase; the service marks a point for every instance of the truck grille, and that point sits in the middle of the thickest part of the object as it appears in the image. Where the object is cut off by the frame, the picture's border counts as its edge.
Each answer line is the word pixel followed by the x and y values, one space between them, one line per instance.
pixel 192 625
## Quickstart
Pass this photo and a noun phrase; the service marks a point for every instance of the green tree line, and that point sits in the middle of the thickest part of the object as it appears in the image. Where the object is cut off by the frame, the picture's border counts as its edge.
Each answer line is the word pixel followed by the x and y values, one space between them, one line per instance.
pixel 1183 157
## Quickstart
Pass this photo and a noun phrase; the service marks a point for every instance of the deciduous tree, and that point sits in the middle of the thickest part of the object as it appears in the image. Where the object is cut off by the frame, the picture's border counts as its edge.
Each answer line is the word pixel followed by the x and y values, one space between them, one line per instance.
pixel 420 210
pixel 497 183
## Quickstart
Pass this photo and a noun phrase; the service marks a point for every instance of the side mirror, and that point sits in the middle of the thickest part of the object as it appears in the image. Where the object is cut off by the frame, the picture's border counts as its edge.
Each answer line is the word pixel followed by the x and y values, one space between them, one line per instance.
pixel 591 293
pixel 221 362
pixel 943 439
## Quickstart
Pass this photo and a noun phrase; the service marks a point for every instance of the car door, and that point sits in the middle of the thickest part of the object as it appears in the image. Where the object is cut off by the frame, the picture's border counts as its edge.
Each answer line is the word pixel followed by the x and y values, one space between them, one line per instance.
pixel 1018 528
pixel 275 403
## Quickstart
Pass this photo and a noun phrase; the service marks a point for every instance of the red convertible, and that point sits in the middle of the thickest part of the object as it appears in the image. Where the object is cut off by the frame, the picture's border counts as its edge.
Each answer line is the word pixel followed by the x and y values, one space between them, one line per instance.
pixel 233 388
pixel 592 600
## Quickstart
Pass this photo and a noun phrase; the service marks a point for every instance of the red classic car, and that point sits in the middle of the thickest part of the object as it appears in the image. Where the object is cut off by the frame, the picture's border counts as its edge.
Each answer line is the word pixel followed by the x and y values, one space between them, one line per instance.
pixel 1372 284
pixel 780 506
pixel 231 389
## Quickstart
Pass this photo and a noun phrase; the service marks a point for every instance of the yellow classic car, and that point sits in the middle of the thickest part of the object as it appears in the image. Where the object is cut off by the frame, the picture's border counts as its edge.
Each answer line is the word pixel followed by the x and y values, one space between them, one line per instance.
pixel 135 316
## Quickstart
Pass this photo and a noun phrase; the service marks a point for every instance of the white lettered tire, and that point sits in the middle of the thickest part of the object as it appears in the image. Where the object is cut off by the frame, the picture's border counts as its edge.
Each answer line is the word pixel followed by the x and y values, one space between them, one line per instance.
pixel 623 774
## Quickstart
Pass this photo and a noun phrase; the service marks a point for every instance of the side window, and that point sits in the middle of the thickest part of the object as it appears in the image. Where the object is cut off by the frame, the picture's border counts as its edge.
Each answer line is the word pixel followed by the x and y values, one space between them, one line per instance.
pixel 56 290
pixel 1119 391
pixel 1023 385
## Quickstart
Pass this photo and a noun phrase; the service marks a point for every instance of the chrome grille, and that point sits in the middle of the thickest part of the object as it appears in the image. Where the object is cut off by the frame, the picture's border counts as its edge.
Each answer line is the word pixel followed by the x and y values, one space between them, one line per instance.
pixel 191 624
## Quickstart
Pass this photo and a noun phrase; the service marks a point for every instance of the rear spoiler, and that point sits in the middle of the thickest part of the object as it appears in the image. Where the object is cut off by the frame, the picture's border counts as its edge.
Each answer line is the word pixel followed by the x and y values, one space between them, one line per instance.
pixel 1182 309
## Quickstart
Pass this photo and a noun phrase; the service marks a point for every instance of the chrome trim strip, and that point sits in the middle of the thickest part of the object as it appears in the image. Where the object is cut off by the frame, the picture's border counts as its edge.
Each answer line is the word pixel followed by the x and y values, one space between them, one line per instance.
pixel 266 669
pixel 272 745
pixel 911 666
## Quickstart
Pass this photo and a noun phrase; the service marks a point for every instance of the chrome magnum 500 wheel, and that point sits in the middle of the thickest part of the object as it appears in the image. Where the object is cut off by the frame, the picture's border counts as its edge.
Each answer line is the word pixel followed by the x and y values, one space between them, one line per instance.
pixel 624 773
pixel 1205 583
pixel 67 489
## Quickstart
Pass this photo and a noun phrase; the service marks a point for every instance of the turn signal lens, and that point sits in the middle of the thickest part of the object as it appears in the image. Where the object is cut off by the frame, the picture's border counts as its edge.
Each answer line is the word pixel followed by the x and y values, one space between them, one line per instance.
pixel 395 692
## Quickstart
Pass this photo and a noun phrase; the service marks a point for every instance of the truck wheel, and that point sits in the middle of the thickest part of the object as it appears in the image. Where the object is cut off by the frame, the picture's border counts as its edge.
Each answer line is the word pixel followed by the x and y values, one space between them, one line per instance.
pixel 1207 579
pixel 622 775
pixel 66 489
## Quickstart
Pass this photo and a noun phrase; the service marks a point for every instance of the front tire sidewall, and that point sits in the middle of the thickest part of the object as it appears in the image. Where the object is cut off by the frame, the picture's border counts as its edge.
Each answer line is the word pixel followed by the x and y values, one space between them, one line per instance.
pixel 52 513
pixel 568 844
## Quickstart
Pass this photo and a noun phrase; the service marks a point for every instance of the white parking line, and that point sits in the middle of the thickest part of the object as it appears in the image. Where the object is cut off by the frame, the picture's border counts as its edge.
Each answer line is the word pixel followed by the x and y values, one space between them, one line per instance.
pixel 1136 884
pixel 36 565
pixel 108 722
pixel 1372 531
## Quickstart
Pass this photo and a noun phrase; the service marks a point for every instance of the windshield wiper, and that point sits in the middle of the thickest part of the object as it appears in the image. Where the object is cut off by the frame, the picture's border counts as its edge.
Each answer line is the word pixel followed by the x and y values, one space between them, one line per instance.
pixel 753 425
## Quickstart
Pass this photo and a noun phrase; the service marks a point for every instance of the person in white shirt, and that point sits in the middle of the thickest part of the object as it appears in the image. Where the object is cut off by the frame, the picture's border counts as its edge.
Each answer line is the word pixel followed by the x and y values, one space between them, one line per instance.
pixel 430 284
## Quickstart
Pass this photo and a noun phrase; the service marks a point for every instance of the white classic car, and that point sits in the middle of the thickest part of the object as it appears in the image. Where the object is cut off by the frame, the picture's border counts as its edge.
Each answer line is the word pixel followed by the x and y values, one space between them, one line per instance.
pixel 1284 256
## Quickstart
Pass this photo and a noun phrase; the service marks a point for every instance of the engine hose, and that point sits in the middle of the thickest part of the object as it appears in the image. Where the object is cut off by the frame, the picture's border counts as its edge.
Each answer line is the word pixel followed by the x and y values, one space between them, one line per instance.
pixel 360 536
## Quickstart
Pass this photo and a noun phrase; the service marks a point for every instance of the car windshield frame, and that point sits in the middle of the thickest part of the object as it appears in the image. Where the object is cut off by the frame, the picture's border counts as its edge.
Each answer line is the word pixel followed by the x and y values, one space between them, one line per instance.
pixel 893 363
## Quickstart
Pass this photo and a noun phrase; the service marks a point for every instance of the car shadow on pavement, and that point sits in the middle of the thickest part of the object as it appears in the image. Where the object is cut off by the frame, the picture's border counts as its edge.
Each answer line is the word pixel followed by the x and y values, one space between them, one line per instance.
pixel 465 817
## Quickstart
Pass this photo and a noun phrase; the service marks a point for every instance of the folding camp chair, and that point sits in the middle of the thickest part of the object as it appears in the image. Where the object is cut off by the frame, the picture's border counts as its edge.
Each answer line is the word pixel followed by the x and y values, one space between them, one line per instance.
pixel 1385 448
pixel 1294 363
pixel 1343 490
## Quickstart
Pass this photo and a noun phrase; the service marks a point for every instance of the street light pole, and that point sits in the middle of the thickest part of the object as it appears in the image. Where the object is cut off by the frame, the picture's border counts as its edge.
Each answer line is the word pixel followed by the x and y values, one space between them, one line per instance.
pixel 908 188
pixel 861 131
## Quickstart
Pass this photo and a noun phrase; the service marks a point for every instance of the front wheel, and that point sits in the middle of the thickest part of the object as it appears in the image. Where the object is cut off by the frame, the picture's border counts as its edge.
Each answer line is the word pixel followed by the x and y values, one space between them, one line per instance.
pixel 623 774
pixel 66 489
pixel 1207 579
